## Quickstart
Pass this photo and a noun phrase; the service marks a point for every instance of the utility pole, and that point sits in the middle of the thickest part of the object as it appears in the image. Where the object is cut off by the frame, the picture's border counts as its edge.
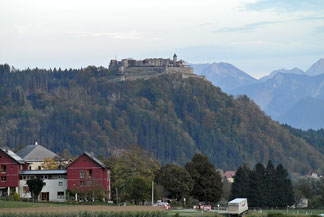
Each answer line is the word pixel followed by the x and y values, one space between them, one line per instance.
pixel 152 193
pixel 117 196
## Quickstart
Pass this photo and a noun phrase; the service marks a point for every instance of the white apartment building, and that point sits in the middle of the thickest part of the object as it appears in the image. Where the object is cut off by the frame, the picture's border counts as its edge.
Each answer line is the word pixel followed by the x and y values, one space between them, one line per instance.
pixel 55 184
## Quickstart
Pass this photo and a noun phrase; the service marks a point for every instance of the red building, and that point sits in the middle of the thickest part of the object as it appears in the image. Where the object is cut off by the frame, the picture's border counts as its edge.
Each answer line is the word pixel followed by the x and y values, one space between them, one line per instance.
pixel 10 166
pixel 87 172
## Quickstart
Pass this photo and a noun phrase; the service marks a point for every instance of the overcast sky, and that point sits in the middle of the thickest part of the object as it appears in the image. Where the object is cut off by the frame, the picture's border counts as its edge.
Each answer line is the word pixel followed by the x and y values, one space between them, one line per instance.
pixel 258 36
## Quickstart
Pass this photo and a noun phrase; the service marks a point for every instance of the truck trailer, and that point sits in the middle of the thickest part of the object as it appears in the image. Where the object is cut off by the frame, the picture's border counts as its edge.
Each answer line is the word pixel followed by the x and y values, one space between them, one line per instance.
pixel 236 207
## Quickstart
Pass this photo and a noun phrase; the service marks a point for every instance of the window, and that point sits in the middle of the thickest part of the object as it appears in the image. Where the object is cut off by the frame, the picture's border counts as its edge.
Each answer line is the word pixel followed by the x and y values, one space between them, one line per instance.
pixel 89 173
pixel 60 183
pixel 44 183
pixel 39 167
pixel 3 169
pixel 3 178
pixel 82 174
pixel 60 195
pixel 82 184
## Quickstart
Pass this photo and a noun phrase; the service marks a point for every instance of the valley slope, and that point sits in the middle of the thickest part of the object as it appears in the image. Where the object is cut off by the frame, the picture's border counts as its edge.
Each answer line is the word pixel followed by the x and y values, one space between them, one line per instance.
pixel 86 110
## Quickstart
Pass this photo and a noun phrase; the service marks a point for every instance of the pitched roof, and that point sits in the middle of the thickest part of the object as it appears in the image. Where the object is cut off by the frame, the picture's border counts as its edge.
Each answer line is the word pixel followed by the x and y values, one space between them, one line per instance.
pixel 34 153
pixel 95 159
pixel 92 157
pixel 13 155
pixel 229 174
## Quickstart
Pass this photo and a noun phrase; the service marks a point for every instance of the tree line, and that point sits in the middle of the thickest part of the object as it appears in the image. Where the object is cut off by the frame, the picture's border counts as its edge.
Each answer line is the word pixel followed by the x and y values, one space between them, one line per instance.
pixel 134 171
pixel 267 186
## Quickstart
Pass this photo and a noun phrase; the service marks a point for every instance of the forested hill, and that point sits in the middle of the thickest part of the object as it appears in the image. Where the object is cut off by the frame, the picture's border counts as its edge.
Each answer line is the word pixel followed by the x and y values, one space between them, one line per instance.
pixel 84 110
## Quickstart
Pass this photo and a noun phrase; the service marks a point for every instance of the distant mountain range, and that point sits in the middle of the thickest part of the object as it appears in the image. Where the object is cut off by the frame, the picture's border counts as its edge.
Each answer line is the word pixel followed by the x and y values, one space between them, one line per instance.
pixel 224 75
pixel 290 96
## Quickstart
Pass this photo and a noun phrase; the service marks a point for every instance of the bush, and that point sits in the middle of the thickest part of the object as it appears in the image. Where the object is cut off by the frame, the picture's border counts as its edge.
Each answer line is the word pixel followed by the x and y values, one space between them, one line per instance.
pixel 15 196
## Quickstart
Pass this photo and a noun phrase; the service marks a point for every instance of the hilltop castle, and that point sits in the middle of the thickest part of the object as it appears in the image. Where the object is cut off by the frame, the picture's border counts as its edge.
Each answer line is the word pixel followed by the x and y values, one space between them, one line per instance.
pixel 159 64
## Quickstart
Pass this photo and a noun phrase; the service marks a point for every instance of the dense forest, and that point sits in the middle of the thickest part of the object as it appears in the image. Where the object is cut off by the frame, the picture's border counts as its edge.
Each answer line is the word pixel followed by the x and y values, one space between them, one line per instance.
pixel 313 137
pixel 87 110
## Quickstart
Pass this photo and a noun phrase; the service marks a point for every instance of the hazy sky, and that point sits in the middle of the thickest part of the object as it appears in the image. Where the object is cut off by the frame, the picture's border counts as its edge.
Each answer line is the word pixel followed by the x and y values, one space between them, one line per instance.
pixel 258 36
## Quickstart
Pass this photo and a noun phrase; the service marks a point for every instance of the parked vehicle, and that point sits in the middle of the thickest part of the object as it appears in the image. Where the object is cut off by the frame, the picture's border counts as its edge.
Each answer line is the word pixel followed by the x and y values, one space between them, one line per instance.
pixel 236 207
pixel 164 204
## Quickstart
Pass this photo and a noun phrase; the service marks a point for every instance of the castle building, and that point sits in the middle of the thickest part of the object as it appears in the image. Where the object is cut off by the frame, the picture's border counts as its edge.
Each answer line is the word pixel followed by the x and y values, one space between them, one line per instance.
pixel 163 65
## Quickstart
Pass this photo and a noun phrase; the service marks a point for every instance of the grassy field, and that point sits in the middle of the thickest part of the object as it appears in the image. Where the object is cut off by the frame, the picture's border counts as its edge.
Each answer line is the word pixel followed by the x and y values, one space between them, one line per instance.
pixel 19 204
pixel 30 207
pixel 259 213
pixel 291 211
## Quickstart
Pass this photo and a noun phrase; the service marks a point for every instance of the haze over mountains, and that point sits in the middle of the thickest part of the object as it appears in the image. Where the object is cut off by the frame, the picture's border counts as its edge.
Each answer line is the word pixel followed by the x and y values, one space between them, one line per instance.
pixel 224 75
pixel 290 96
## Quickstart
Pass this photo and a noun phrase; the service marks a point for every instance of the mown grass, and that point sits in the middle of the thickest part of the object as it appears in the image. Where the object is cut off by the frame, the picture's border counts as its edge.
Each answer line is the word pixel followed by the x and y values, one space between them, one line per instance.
pixel 20 204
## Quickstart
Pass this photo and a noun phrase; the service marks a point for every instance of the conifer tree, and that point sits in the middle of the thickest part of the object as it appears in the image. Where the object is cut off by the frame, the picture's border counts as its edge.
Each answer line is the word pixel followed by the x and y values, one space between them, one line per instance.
pixel 257 186
pixel 270 192
pixel 240 187
pixel 284 191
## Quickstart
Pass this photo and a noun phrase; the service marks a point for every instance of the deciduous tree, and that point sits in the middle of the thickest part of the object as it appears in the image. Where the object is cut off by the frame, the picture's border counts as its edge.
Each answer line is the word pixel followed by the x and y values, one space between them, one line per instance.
pixel 49 164
pixel 175 180
pixel 133 162
pixel 207 181
pixel 35 186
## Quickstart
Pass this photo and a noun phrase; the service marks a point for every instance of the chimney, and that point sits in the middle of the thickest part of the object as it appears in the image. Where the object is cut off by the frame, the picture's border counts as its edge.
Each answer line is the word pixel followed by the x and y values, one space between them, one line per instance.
pixel 7 149
pixel 92 154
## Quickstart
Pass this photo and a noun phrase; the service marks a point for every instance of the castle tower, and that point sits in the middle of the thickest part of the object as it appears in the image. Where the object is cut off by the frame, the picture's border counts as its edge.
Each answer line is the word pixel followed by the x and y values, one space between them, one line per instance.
pixel 175 58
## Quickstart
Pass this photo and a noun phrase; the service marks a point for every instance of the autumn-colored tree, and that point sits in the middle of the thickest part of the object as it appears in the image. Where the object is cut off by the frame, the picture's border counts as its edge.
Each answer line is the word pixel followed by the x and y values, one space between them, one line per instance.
pixel 132 164
pixel 49 164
